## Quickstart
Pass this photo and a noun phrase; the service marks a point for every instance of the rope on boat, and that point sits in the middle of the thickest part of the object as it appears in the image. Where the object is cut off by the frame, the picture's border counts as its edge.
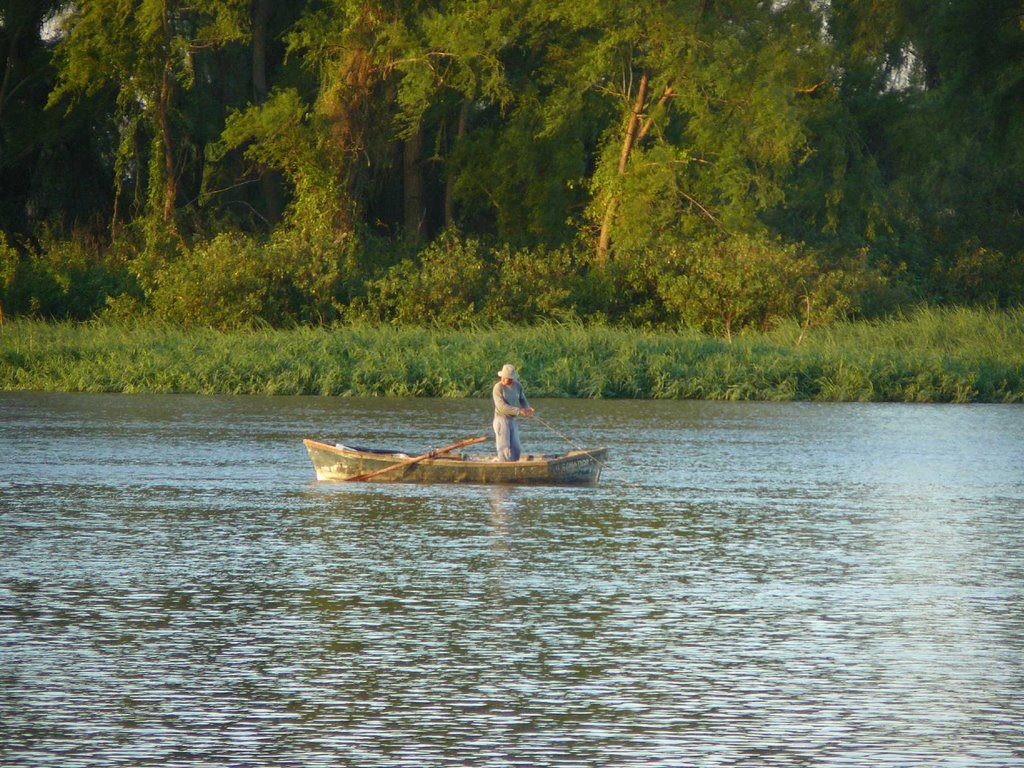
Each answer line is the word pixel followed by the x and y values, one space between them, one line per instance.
pixel 570 441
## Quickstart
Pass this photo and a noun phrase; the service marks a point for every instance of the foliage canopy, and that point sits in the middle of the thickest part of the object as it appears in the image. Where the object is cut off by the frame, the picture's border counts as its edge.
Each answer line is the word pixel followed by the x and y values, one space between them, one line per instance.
pixel 709 163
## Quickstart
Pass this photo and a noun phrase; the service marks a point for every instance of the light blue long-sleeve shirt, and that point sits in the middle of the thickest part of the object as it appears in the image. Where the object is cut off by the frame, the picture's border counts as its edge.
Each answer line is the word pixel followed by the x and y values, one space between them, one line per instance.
pixel 509 400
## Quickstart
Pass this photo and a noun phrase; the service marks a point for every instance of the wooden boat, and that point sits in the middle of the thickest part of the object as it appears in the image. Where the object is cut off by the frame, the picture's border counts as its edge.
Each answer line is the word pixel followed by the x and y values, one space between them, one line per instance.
pixel 334 461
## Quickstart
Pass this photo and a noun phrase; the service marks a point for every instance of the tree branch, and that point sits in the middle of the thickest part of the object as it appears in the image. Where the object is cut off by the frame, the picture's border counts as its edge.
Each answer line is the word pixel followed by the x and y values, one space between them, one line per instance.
pixel 646 127
pixel 809 89
pixel 710 216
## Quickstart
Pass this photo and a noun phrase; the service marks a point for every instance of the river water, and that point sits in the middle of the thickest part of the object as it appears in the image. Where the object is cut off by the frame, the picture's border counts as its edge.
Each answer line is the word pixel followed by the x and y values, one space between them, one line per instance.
pixel 750 585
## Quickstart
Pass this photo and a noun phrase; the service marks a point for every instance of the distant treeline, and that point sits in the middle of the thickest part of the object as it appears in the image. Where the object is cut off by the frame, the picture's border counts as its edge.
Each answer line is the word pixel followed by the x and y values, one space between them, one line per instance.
pixel 705 164
pixel 931 356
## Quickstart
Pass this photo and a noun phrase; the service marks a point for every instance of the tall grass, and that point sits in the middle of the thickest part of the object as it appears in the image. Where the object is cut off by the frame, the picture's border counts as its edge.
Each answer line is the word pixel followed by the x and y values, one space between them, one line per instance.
pixel 932 355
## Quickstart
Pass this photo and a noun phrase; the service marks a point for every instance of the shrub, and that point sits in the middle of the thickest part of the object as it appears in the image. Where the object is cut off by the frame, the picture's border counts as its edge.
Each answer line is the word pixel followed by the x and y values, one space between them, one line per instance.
pixel 531 285
pixel 980 275
pixel 317 273
pixel 727 285
pixel 223 283
pixel 449 283
pixel 9 259
pixel 59 278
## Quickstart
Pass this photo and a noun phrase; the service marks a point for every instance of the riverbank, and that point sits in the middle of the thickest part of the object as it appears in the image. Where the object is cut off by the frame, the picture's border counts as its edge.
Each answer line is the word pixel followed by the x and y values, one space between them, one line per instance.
pixel 932 355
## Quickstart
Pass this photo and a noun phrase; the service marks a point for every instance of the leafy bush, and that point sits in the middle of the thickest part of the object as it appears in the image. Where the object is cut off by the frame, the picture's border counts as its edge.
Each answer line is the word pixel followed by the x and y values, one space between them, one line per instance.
pixel 59 278
pixel 308 270
pixel 980 275
pixel 727 285
pixel 9 259
pixel 449 283
pixel 226 282
pixel 531 285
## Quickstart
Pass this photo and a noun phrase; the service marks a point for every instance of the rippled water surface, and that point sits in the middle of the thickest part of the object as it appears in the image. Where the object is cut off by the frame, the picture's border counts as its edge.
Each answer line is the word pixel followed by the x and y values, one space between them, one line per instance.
pixel 750 585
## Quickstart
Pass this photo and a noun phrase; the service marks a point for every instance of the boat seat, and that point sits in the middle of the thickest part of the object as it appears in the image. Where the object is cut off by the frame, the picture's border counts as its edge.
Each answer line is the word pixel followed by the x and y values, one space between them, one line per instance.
pixel 380 451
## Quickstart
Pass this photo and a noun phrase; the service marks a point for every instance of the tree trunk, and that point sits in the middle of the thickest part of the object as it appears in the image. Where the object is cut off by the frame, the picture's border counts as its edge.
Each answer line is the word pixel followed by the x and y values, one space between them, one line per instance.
pixel 170 184
pixel 260 16
pixel 9 65
pixel 270 185
pixel 163 120
pixel 449 184
pixel 412 172
pixel 629 140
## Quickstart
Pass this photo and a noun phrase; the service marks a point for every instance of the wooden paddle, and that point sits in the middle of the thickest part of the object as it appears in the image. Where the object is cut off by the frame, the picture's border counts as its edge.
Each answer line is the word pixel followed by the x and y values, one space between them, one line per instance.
pixel 407 462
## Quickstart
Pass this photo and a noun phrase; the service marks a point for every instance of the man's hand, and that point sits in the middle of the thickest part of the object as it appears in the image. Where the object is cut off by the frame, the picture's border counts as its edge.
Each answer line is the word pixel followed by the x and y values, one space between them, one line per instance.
pixel 528 411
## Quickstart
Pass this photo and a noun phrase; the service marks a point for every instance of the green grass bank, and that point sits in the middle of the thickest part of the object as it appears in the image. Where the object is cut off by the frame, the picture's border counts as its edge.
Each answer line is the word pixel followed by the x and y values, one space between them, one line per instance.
pixel 931 355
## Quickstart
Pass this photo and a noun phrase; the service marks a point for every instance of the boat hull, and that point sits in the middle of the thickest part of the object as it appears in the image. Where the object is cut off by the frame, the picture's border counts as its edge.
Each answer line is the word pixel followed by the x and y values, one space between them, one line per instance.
pixel 335 462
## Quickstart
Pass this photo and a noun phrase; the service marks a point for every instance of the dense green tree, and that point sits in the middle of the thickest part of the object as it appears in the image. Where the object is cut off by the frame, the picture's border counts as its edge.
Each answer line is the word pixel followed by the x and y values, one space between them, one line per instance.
pixel 713 162
pixel 50 168
pixel 934 107
pixel 144 52
pixel 327 141
pixel 474 81
pixel 709 102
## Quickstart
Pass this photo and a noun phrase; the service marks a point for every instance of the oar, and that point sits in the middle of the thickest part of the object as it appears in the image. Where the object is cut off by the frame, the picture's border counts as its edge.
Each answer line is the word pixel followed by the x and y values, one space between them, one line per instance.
pixel 570 442
pixel 407 462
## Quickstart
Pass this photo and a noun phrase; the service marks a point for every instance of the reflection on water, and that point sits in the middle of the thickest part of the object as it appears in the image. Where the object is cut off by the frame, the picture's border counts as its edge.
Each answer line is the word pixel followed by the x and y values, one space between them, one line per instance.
pixel 503 504
pixel 751 584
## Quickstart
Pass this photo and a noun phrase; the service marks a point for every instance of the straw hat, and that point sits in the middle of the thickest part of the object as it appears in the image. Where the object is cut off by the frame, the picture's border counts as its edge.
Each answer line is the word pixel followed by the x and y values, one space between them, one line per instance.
pixel 508 371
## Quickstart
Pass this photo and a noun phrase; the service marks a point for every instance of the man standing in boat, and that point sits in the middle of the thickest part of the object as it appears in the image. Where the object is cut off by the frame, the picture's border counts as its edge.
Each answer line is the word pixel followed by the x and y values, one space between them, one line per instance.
pixel 509 402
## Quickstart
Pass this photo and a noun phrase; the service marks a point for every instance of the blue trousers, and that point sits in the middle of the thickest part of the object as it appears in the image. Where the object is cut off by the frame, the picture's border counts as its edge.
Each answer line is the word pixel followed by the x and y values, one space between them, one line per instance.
pixel 506 436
